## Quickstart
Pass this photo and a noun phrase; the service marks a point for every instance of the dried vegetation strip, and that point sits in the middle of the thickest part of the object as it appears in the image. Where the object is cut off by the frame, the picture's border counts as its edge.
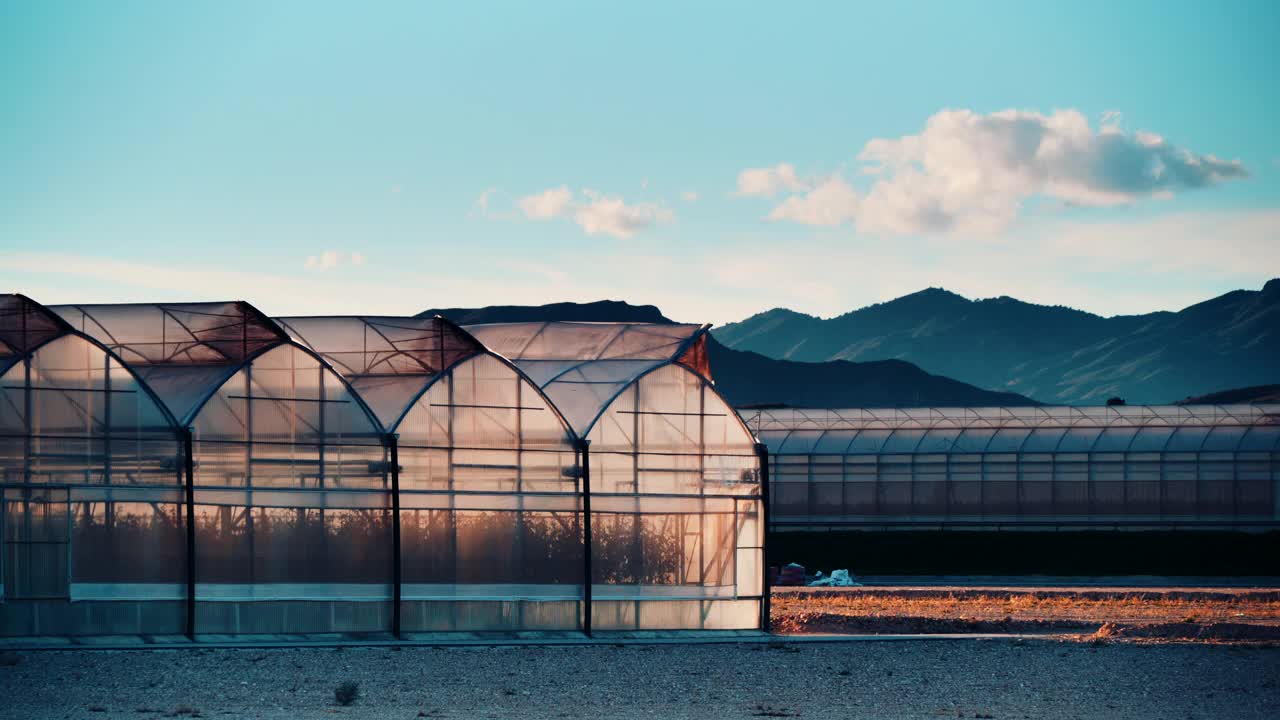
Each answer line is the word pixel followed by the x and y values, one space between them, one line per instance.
pixel 1180 614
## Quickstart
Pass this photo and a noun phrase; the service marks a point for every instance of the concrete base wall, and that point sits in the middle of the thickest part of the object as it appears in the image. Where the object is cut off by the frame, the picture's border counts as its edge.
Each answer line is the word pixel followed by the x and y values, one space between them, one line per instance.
pixel 27 618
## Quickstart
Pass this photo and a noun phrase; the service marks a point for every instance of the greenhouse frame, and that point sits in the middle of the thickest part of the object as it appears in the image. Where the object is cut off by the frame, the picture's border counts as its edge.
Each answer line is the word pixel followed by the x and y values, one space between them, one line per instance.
pixel 1123 467
pixel 203 469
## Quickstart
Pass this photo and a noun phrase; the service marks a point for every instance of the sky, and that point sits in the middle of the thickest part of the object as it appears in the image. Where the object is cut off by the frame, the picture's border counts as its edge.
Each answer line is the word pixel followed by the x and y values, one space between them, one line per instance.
pixel 714 159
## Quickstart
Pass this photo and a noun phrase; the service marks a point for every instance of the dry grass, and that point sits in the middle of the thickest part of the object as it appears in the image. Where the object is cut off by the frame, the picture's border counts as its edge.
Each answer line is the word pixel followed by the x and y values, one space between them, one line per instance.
pixel 896 610
pixel 1036 606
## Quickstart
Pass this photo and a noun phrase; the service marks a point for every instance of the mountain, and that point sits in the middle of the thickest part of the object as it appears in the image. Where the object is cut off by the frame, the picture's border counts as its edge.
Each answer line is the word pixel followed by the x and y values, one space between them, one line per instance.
pixel 1255 394
pixel 1052 354
pixel 748 378
pixel 599 311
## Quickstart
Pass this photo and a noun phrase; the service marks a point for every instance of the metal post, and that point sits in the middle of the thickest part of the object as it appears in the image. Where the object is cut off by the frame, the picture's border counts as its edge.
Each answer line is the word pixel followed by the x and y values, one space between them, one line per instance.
pixel 762 452
pixel 190 466
pixel 584 465
pixel 396 579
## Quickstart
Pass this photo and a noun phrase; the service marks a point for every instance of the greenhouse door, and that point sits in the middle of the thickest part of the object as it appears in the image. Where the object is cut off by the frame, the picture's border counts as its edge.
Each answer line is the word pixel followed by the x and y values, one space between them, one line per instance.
pixel 36 543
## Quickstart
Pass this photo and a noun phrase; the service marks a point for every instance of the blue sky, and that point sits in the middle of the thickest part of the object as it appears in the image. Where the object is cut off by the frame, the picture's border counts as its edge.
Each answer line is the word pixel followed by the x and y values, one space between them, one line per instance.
pixel 715 160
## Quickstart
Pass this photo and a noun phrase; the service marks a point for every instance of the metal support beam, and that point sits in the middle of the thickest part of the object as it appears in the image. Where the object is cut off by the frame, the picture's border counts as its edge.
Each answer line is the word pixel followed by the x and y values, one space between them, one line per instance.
pixel 584 465
pixel 190 471
pixel 393 446
pixel 762 452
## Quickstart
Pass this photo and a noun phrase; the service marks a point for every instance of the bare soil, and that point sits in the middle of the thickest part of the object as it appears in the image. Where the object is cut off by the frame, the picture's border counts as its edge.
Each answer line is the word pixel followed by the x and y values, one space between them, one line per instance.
pixel 1092 614
pixel 874 679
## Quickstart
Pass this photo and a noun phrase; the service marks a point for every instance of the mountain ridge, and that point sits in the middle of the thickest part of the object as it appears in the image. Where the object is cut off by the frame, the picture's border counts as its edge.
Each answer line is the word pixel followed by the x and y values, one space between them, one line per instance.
pixel 1051 353
pixel 748 378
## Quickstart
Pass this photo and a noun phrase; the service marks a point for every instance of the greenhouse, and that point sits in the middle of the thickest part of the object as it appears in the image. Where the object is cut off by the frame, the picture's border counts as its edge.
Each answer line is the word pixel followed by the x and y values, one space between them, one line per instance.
pixel 489 504
pixel 1201 466
pixel 93 528
pixel 203 469
pixel 672 475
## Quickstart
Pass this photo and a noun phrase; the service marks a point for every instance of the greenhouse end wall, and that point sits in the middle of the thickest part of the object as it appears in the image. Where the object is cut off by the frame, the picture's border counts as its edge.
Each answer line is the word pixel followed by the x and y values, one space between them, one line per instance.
pixel 92 524
pixel 193 469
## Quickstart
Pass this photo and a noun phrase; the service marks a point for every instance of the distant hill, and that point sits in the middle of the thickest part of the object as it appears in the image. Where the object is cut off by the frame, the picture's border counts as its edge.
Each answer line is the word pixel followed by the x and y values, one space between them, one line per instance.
pixel 748 378
pixel 599 311
pixel 1052 354
pixel 1255 394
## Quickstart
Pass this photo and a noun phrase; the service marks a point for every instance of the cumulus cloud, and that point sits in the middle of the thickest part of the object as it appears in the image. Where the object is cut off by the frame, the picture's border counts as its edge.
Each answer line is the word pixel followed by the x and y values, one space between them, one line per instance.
pixel 547 204
pixel 330 259
pixel 689 196
pixel 594 211
pixel 768 182
pixel 832 202
pixel 968 172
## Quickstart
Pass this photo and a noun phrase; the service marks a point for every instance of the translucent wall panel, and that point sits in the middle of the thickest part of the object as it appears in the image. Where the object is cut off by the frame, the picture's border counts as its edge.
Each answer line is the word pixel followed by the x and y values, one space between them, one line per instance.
pixel 491 507
pixel 91 493
pixel 1104 468
pixel 676 533
pixel 292 503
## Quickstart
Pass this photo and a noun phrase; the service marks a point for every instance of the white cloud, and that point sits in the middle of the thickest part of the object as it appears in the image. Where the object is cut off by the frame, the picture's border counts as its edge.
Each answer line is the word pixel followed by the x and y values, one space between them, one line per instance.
pixel 594 212
pixel 832 202
pixel 768 182
pixel 610 215
pixel 971 173
pixel 330 259
pixel 481 205
pixel 689 196
pixel 547 204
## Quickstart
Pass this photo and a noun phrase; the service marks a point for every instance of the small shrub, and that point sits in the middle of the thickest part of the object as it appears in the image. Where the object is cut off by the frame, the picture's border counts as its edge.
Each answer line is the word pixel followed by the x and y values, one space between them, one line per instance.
pixel 346 693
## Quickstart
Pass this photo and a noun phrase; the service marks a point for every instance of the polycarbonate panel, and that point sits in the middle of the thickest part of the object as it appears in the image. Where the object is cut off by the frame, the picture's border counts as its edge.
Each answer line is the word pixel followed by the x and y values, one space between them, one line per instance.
pixel 1115 439
pixel 176 333
pixel 292 495
pixel 1138 466
pixel 1223 439
pixel 388 359
pixel 869 442
pixel 584 340
pixel 800 442
pixel 1152 439
pixel 583 367
pixel 490 501
pixel 1043 440
pixel 1261 438
pixel 902 441
pixel 1079 439
pixel 940 441
pixel 1187 439
pixel 675 487
pixel 90 469
pixel 832 442
pixel 24 325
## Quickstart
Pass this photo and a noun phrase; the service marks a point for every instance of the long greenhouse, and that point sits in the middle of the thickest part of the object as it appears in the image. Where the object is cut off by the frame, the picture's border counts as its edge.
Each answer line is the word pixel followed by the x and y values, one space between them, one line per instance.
pixel 204 469
pixel 1121 467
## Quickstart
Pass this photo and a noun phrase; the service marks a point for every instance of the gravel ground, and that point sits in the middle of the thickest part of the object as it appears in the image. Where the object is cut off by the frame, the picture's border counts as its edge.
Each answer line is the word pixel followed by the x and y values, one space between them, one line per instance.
pixel 858 679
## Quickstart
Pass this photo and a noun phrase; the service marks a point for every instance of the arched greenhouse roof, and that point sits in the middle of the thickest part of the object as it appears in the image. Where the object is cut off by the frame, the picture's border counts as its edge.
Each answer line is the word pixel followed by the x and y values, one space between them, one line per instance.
pixel 583 366
pixel 388 360
pixel 1130 428
pixel 24 325
pixel 28 327
pixel 184 352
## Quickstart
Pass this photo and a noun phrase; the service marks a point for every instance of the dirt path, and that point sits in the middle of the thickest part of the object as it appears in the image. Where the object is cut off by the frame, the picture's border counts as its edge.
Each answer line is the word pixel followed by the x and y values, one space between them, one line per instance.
pixel 858 679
